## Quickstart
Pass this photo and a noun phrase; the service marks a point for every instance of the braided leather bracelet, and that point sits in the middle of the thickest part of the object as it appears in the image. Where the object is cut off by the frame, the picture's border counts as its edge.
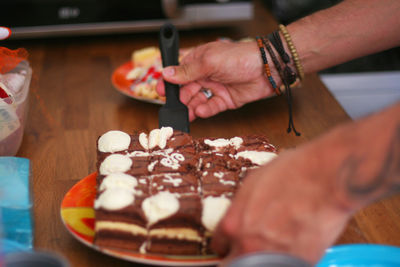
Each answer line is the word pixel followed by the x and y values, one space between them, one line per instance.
pixel 289 76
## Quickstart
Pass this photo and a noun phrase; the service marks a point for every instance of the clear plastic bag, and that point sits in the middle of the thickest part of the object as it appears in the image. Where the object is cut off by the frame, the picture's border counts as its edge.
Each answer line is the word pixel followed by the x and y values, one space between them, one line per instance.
pixel 15 77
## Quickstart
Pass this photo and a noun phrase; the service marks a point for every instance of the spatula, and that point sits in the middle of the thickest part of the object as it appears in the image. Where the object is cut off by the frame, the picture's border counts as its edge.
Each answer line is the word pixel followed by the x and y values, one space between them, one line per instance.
pixel 174 113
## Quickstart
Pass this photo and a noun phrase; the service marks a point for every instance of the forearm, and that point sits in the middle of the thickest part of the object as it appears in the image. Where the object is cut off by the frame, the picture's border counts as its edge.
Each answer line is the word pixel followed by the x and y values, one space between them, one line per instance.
pixel 351 29
pixel 361 160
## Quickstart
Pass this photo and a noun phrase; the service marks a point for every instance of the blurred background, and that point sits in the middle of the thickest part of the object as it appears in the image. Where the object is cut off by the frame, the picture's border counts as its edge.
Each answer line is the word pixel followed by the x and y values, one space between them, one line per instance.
pixel 361 86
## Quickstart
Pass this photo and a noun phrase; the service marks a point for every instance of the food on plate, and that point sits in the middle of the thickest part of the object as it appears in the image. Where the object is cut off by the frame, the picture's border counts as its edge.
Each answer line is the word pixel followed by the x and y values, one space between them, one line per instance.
pixel 146 71
pixel 146 57
pixel 165 192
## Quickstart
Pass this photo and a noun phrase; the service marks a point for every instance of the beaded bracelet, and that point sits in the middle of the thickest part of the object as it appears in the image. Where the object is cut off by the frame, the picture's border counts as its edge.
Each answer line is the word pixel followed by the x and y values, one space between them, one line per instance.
pixel 293 51
pixel 289 76
pixel 274 59
pixel 266 66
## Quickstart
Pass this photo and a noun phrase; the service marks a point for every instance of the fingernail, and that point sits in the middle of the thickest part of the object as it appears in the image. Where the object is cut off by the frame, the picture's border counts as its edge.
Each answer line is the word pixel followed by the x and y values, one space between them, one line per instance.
pixel 169 71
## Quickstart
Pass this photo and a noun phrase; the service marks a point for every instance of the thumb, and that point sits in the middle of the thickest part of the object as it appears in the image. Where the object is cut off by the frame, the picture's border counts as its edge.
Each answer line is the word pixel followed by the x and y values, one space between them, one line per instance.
pixel 184 73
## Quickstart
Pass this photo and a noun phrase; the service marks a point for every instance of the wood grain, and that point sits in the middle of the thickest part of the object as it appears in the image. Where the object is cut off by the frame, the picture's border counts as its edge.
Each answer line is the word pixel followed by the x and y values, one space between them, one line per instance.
pixel 72 102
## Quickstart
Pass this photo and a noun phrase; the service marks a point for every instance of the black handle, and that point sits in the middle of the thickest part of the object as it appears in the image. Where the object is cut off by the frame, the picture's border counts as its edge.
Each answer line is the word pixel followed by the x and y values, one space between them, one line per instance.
pixel 169 47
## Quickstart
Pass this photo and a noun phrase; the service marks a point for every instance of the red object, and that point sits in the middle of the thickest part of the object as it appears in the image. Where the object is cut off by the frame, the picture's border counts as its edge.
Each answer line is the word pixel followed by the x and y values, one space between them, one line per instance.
pixel 9 59
pixel 3 93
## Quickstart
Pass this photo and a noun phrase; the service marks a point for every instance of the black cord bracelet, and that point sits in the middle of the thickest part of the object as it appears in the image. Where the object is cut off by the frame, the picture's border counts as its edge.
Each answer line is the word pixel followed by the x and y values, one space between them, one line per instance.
pixel 289 76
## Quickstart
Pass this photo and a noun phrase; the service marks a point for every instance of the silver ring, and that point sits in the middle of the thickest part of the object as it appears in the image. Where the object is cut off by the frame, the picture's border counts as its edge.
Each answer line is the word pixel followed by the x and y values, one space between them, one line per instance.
pixel 207 92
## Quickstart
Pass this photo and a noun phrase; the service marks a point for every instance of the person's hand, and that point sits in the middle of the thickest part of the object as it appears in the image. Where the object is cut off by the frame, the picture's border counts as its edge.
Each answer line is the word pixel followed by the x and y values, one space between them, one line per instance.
pixel 288 206
pixel 233 71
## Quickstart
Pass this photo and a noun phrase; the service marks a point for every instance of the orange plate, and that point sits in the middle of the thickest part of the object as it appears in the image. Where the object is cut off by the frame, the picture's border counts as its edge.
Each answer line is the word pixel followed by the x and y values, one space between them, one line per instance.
pixel 77 214
pixel 119 81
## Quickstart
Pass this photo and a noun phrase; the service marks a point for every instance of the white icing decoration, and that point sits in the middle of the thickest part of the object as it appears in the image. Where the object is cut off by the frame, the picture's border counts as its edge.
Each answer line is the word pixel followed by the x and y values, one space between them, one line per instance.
pixel 144 141
pixel 142 248
pixel 236 142
pixel 199 164
pixel 154 138
pixel 219 174
pixel 218 143
pixel 114 199
pixel 165 134
pixel 164 152
pixel 177 157
pixel 121 180
pixel 174 181
pixel 172 161
pixel 113 141
pixel 115 163
pixel 205 173
pixel 214 208
pixel 225 182
pixel 142 181
pixel 151 166
pixel 138 154
pixel 160 206
pixel 257 157
pixel 159 137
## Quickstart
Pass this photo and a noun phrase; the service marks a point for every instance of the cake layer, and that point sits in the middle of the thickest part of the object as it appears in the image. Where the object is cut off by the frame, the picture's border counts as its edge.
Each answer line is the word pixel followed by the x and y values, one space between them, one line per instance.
pixel 116 239
pixel 174 247
pixel 129 214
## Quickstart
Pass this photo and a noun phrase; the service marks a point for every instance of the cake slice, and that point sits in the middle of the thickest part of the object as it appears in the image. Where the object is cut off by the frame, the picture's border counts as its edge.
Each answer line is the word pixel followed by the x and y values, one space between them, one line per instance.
pixel 174 223
pixel 120 221
pixel 219 183
pixel 170 160
pixel 214 207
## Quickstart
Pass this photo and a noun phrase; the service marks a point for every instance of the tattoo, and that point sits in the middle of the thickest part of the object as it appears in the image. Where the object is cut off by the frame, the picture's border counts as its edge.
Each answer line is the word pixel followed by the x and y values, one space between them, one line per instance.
pixel 386 179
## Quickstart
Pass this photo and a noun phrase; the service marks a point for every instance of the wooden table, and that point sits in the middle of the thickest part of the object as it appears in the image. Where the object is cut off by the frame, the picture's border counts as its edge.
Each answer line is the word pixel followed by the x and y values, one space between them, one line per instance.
pixel 72 102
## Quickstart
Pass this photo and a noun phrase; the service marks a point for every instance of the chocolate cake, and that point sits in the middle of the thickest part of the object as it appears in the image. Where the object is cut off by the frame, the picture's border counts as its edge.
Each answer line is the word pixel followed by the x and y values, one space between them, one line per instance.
pixel 164 192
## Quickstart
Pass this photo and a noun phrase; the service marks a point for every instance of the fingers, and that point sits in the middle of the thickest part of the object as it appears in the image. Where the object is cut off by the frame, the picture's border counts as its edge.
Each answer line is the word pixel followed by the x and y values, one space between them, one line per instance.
pixel 199 104
pixel 160 88
pixel 184 73
pixel 221 242
pixel 190 69
pixel 213 106
pixel 188 91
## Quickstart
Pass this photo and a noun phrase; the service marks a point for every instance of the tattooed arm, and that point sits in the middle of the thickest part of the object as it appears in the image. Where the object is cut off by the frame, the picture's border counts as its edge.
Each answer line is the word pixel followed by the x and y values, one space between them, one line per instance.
pixel 368 166
pixel 301 201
